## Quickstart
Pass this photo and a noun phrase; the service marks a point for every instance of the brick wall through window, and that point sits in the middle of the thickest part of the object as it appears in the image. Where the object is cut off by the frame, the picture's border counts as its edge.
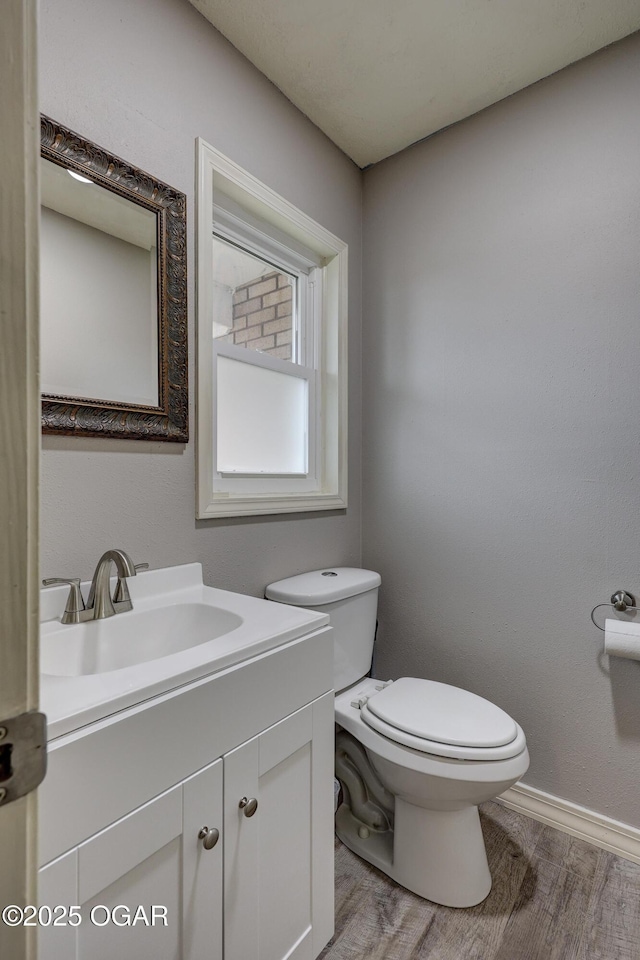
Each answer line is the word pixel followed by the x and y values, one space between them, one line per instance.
pixel 263 316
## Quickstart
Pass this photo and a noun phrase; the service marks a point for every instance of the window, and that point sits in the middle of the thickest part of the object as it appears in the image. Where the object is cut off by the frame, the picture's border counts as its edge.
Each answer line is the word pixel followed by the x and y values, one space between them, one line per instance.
pixel 271 350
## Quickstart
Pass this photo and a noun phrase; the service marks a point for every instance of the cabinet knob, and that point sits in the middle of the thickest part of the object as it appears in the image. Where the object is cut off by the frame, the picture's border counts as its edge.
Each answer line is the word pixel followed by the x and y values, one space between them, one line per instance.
pixel 249 806
pixel 209 837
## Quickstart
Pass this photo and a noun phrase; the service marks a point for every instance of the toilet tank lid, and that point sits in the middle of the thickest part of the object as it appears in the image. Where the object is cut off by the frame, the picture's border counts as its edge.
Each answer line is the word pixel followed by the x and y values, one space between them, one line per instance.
pixel 317 587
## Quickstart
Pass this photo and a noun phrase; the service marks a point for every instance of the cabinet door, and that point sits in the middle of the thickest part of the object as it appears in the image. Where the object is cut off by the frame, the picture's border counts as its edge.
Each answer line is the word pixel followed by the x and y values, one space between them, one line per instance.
pixel 202 867
pixel 278 862
pixel 146 885
pixel 58 885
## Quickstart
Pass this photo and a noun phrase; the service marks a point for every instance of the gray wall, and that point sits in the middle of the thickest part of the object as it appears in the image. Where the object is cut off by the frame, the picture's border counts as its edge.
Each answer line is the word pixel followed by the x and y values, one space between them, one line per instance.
pixel 501 405
pixel 144 80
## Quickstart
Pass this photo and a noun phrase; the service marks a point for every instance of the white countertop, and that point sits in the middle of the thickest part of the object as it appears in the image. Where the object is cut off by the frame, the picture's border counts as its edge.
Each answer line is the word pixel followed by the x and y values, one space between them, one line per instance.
pixel 74 701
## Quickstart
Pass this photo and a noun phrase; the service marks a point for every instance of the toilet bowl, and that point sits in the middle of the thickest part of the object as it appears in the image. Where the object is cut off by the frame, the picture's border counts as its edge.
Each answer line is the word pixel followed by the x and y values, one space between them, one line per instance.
pixel 415 757
pixel 436 847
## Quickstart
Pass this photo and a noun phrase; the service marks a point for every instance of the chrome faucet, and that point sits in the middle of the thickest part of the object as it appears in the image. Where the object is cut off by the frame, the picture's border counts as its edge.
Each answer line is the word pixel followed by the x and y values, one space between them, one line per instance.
pixel 100 603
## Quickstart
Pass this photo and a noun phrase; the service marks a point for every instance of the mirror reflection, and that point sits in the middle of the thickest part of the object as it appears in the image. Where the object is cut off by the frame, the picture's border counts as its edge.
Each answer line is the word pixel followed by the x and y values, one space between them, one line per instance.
pixel 99 292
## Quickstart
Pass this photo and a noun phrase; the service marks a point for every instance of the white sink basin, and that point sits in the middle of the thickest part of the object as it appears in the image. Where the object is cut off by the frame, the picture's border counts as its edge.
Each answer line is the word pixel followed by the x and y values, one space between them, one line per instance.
pixel 100 646
pixel 178 631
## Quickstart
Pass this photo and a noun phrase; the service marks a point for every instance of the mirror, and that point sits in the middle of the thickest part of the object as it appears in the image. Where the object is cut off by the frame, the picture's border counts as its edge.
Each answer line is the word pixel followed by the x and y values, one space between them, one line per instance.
pixel 113 300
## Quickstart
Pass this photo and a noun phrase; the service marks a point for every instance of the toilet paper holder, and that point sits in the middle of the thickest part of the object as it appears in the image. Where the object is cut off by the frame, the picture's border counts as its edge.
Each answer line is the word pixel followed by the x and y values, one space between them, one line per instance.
pixel 621 600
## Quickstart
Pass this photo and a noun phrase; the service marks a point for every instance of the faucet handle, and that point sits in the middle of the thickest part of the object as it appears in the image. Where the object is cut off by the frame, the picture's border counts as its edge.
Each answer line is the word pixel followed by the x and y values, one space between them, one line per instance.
pixel 121 595
pixel 75 602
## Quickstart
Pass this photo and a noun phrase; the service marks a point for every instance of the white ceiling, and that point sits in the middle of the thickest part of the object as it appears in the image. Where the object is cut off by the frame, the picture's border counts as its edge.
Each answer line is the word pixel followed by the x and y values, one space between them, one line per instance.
pixel 377 75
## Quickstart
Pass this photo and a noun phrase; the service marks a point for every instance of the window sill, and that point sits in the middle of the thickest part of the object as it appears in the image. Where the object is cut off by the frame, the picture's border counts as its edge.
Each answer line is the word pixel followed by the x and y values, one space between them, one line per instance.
pixel 257 506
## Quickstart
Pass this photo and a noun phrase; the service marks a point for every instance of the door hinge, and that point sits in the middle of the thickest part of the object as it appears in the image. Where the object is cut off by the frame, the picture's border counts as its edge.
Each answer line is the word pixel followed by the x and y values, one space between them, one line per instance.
pixel 23 755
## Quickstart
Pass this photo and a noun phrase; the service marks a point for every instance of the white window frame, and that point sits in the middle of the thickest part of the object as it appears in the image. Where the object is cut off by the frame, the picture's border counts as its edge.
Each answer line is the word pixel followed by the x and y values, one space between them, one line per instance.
pixel 236 206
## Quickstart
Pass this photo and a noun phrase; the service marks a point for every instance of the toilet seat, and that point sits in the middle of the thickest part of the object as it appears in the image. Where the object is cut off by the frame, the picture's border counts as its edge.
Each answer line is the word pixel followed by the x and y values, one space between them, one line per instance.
pixel 445 721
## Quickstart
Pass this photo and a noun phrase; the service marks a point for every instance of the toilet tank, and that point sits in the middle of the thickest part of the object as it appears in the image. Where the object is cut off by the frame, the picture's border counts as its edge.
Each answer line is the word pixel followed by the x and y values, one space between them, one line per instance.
pixel 350 596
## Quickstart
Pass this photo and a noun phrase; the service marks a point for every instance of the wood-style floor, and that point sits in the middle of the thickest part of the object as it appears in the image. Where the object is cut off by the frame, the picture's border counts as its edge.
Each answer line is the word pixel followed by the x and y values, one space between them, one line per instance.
pixel 553 898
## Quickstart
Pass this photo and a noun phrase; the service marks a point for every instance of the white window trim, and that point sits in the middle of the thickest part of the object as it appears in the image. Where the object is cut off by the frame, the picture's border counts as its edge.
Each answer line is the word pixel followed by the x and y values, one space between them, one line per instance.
pixel 279 495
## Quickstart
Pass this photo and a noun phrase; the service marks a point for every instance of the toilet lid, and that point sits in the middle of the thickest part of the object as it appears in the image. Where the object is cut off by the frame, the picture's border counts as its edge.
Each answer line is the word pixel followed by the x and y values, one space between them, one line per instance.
pixel 438 712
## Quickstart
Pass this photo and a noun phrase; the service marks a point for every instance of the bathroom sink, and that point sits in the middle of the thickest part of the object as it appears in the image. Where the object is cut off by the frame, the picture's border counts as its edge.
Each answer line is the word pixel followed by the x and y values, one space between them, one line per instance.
pixel 100 646
pixel 179 631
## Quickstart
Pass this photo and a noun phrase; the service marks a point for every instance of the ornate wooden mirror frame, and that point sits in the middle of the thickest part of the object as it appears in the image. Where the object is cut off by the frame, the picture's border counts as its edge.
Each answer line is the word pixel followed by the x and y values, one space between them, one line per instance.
pixel 88 417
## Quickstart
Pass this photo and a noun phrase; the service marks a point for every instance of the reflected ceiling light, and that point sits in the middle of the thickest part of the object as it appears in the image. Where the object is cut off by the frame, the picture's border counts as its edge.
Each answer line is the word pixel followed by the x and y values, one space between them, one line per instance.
pixel 77 176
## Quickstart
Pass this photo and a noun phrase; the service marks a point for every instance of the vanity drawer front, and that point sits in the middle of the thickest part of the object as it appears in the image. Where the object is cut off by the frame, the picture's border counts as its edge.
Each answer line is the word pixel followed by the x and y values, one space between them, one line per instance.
pixel 104 771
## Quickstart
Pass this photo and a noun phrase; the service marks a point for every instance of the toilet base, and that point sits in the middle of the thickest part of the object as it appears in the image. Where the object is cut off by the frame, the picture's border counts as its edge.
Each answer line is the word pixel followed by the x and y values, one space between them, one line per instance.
pixel 376 848
pixel 438 854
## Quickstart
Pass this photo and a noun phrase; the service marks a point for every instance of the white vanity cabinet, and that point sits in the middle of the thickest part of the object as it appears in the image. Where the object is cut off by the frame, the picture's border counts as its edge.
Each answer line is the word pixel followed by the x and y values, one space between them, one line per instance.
pixel 248 752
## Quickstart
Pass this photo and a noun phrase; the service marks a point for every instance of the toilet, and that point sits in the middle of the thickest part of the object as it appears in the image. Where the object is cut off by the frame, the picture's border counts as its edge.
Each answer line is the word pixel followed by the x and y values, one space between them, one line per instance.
pixel 414 757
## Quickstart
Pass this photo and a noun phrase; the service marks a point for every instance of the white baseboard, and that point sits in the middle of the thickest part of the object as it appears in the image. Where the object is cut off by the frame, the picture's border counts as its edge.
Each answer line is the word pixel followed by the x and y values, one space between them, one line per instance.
pixel 619 838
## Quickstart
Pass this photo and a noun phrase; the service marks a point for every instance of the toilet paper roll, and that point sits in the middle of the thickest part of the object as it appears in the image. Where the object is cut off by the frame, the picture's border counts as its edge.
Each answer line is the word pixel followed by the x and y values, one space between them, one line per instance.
pixel 622 639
